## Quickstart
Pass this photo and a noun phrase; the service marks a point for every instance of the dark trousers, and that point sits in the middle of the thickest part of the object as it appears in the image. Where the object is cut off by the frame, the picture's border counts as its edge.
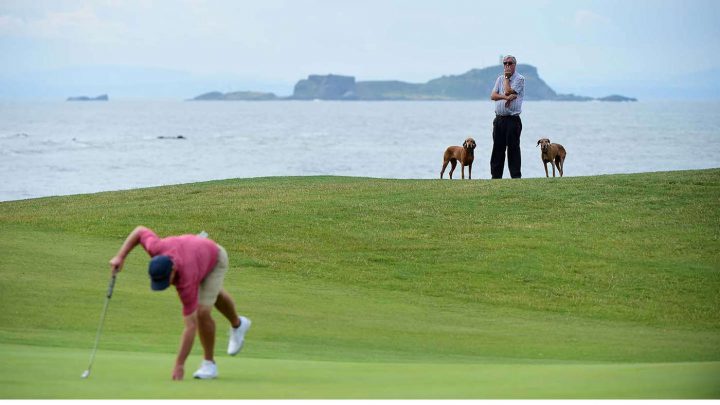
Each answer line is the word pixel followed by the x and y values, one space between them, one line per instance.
pixel 506 135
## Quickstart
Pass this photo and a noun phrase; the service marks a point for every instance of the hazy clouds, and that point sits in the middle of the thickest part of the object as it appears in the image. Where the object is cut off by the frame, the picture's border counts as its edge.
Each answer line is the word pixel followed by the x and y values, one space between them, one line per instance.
pixel 575 44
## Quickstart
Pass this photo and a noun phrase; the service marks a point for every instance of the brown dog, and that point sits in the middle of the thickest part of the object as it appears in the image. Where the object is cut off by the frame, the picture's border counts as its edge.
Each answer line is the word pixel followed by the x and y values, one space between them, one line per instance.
pixel 465 154
pixel 553 153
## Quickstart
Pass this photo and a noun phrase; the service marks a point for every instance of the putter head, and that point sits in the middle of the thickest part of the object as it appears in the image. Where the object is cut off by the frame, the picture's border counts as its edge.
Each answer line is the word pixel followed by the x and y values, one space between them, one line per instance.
pixel 85 374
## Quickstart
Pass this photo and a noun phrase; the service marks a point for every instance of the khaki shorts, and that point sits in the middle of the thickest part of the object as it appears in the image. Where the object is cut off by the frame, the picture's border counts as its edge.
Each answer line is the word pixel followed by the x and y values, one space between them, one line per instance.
pixel 212 284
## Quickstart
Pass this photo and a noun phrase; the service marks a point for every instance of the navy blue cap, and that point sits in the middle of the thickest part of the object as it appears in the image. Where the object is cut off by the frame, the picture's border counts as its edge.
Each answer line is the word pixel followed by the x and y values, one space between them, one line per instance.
pixel 159 270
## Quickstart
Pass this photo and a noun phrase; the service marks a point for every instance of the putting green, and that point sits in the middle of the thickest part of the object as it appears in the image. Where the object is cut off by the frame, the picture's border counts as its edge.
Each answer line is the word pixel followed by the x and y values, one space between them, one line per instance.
pixel 361 288
pixel 43 372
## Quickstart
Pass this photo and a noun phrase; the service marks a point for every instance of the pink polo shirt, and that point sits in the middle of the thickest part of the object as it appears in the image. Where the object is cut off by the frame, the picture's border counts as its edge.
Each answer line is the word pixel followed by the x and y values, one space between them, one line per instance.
pixel 193 257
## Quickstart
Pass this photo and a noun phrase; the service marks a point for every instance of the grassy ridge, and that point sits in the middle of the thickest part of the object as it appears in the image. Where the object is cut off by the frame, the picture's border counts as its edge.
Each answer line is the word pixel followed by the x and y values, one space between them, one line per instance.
pixel 607 269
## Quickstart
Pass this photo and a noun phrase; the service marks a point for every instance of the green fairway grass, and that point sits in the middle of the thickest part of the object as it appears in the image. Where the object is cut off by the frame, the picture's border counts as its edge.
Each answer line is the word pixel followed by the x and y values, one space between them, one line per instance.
pixel 589 287
pixel 142 376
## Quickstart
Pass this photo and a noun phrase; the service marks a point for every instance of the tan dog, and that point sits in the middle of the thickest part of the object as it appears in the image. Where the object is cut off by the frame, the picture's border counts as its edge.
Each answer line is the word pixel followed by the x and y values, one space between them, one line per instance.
pixel 465 154
pixel 553 153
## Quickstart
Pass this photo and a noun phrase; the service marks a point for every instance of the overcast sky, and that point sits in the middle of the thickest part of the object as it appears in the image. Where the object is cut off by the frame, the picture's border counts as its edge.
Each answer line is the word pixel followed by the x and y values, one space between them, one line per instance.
pixel 575 43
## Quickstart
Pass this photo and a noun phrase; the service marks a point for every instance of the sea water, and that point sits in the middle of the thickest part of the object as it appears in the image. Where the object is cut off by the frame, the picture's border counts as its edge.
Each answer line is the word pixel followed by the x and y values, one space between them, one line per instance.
pixel 60 148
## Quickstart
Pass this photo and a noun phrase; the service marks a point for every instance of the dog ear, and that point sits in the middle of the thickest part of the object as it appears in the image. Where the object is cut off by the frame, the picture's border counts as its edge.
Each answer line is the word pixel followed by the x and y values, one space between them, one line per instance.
pixel 538 144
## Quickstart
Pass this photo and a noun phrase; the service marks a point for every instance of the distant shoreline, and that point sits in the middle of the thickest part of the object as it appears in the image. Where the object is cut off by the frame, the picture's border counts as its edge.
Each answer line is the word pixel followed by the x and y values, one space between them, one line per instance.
pixel 289 98
pixel 475 84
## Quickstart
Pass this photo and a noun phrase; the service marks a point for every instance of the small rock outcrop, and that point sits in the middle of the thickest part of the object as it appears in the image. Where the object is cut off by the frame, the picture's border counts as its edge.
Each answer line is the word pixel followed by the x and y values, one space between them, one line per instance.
pixel 236 96
pixel 102 97
pixel 616 98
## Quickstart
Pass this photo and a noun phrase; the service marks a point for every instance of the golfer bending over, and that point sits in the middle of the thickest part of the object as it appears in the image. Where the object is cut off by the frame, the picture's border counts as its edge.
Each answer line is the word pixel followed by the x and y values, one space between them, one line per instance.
pixel 196 266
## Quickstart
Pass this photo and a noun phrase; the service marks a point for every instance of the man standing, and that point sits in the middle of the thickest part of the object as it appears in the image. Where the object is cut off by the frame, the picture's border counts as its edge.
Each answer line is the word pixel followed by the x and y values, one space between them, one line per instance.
pixel 196 266
pixel 508 95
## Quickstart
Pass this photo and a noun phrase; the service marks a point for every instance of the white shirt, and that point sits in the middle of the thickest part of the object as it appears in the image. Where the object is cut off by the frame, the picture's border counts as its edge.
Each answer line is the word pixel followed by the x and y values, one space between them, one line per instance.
pixel 517 83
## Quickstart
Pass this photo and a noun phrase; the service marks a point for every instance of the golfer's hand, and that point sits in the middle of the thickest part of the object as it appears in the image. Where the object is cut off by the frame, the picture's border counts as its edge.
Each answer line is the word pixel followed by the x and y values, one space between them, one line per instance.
pixel 116 264
pixel 178 372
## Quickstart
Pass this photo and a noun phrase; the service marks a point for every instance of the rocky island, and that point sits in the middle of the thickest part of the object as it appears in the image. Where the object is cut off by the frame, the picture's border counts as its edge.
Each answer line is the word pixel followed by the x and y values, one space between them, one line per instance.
pixel 616 97
pixel 476 84
pixel 237 95
pixel 102 97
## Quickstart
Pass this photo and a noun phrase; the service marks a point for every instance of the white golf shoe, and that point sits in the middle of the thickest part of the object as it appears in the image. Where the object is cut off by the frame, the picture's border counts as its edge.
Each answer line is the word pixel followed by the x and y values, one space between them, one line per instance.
pixel 207 370
pixel 237 336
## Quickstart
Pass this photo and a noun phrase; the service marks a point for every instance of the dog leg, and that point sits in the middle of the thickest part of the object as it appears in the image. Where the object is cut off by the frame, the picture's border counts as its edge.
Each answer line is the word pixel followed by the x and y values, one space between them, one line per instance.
pixel 546 172
pixel 462 171
pixel 559 162
pixel 470 171
pixel 552 163
pixel 445 163
pixel 452 169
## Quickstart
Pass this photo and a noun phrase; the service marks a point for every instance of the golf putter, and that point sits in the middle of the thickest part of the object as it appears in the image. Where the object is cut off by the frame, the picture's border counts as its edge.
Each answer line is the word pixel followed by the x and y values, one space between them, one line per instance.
pixel 86 373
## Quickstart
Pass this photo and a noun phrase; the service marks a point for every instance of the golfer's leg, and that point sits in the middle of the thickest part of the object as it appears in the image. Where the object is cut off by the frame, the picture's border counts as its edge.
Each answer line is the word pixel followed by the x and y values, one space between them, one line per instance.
pixel 226 306
pixel 211 292
pixel 206 331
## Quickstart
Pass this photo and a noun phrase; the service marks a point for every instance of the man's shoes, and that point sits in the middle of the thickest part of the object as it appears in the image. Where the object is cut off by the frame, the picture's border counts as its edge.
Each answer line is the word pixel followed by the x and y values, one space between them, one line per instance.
pixel 237 336
pixel 207 370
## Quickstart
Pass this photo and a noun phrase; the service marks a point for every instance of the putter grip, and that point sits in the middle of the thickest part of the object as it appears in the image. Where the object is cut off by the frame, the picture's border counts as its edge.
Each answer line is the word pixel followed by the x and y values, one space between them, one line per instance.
pixel 111 286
